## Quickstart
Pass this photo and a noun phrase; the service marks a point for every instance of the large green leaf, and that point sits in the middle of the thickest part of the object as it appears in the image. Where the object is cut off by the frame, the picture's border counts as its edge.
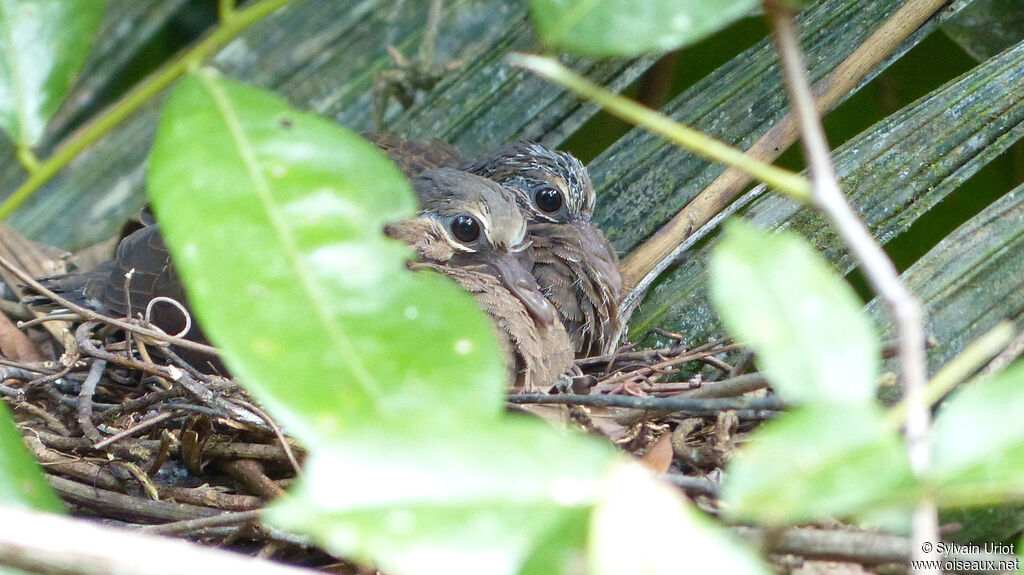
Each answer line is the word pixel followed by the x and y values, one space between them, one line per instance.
pixel 43 44
pixel 275 221
pixel 813 340
pixel 631 27
pixel 978 440
pixel 457 499
pixel 21 480
pixel 817 463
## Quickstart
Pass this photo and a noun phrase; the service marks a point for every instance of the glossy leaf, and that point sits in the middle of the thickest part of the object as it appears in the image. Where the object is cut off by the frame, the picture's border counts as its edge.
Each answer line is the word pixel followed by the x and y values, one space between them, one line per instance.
pixel 643 526
pixel 813 340
pixel 21 480
pixel 275 219
pixel 43 45
pixel 978 439
pixel 632 27
pixel 457 500
pixel 819 462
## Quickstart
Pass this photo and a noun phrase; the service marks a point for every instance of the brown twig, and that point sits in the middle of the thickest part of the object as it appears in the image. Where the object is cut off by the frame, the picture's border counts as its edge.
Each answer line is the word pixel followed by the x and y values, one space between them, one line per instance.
pixel 863 547
pixel 682 405
pixel 125 507
pixel 192 525
pixel 85 400
pixel 137 428
pixel 78 468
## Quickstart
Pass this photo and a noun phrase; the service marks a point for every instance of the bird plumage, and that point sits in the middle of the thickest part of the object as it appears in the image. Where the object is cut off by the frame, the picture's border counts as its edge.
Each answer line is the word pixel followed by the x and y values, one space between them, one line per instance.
pixel 494 266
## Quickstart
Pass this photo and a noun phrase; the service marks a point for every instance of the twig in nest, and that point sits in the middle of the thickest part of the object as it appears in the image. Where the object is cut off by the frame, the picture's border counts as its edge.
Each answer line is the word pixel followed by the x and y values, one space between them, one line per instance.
pixel 85 400
pixel 192 525
pixel 281 438
pixel 144 425
pixel 685 405
pixel 169 372
pixel 699 485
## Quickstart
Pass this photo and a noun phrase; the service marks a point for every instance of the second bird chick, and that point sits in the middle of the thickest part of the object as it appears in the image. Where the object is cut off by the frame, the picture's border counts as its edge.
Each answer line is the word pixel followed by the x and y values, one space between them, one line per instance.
pixel 470 230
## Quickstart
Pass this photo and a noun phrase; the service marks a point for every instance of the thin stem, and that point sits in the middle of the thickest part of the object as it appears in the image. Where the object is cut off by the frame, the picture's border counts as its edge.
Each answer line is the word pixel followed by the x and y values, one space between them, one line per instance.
pixel 878 268
pixel 785 181
pixel 960 367
pixel 225 10
pixel 157 81
pixel 28 159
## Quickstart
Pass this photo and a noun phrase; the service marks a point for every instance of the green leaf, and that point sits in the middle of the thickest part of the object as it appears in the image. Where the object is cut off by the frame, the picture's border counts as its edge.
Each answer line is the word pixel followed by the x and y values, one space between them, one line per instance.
pixel 632 27
pixel 21 481
pixel 275 219
pixel 818 462
pixel 643 526
pixel 43 44
pixel 978 441
pixel 813 340
pixel 460 499
pixel 563 548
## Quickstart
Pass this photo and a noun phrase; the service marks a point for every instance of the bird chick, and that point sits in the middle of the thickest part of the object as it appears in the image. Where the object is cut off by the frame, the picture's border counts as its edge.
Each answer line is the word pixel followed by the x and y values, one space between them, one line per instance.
pixel 576 267
pixel 471 230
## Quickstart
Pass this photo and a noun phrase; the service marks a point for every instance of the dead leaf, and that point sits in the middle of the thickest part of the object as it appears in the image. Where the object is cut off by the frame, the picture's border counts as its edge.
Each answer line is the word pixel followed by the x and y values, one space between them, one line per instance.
pixel 659 457
pixel 14 344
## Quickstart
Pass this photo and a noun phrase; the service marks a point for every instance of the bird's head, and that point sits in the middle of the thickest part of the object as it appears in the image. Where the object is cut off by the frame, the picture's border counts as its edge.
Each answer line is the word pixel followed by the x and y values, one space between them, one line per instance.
pixel 470 223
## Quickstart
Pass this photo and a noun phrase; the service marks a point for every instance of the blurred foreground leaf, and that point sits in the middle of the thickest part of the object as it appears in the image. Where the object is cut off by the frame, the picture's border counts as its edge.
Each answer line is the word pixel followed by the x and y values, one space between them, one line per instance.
pixel 274 218
pixel 21 480
pixel 460 499
pixel 978 441
pixel 820 462
pixel 632 27
pixel 812 338
pixel 43 44
pixel 645 527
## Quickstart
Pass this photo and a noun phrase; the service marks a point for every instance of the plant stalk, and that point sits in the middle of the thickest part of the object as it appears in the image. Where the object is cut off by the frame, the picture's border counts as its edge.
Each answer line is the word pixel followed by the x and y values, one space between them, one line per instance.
pixel 152 85
pixel 881 273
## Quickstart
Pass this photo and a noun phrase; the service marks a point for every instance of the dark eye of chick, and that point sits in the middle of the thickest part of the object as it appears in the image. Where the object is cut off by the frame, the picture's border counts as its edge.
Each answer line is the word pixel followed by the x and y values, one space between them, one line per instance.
pixel 465 228
pixel 548 199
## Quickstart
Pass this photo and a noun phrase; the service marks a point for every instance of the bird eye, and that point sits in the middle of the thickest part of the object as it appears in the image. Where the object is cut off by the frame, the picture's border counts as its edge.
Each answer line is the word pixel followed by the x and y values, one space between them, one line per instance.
pixel 548 199
pixel 465 228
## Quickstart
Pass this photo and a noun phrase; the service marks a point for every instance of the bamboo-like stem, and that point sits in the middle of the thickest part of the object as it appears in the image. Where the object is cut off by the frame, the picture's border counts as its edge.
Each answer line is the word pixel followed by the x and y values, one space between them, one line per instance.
pixel 152 85
pixel 28 158
pixel 225 10
pixel 726 187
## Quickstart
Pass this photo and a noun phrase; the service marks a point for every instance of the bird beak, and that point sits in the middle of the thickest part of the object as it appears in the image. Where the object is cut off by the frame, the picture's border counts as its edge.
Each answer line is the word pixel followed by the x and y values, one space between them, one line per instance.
pixel 517 279
pixel 594 244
